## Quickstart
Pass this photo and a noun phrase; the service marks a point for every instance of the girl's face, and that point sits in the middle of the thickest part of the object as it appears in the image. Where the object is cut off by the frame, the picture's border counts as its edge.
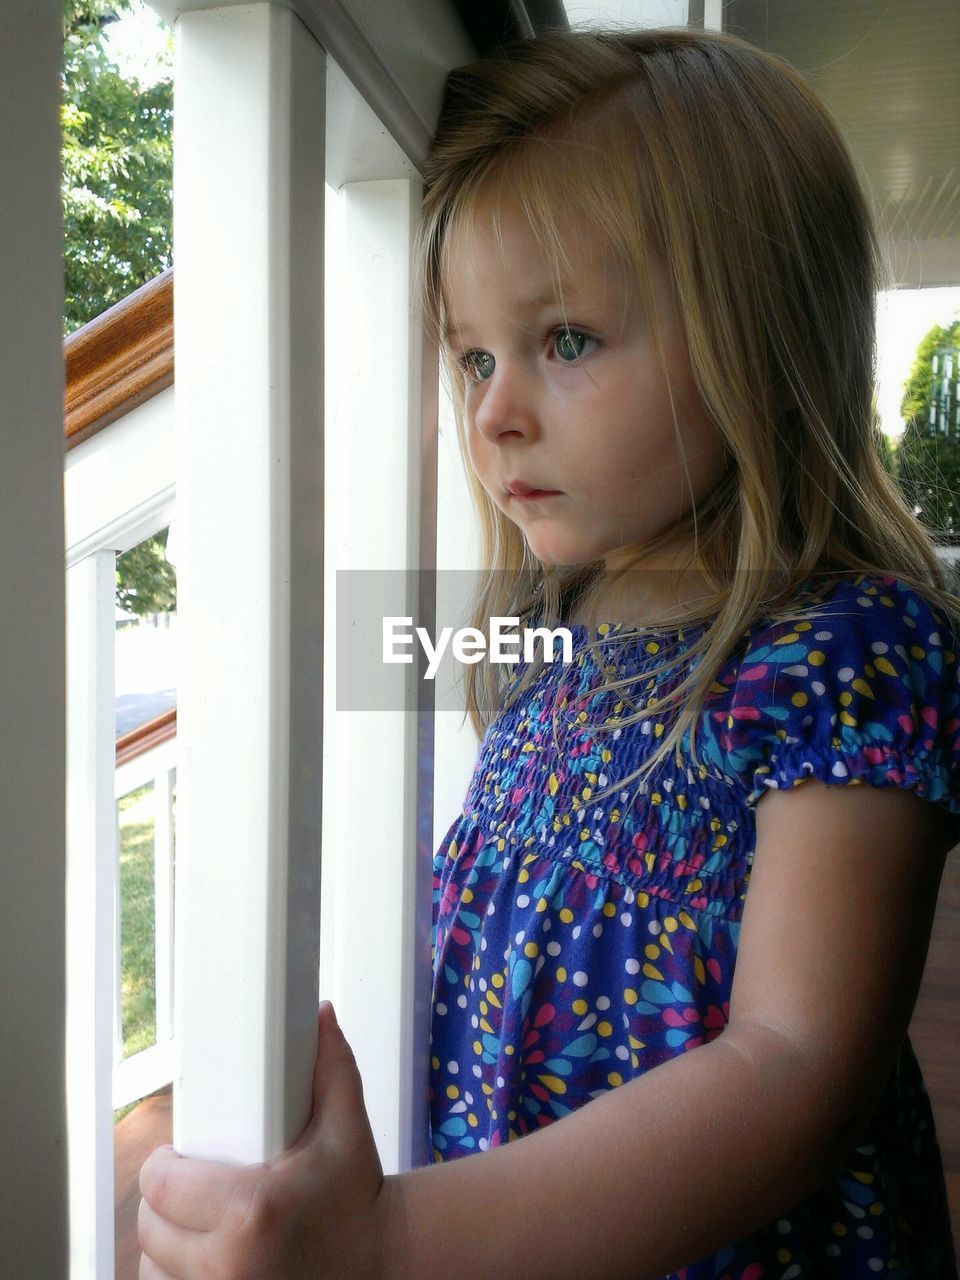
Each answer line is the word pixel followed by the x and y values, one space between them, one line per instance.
pixel 570 401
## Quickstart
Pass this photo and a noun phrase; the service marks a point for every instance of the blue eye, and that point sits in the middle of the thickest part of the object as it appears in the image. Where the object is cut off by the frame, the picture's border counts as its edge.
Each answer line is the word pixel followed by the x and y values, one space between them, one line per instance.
pixel 478 366
pixel 571 345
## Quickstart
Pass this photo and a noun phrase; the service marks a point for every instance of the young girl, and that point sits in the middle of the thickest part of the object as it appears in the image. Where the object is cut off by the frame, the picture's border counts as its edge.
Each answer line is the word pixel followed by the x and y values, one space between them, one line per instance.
pixel 654 276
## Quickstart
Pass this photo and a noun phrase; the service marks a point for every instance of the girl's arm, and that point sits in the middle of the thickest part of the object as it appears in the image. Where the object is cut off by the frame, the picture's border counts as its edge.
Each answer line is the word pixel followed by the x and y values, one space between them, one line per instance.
pixel 721 1140
pixel 659 1172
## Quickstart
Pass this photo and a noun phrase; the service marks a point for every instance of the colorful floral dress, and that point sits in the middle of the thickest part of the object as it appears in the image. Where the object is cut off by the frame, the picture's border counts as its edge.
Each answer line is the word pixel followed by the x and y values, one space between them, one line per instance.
pixel 577 944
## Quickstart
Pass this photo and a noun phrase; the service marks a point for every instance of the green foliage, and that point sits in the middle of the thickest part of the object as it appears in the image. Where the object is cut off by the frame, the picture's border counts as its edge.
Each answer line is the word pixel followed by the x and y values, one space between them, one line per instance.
pixel 928 467
pixel 117 168
pixel 886 448
pixel 917 389
pixel 888 453
pixel 117 212
pixel 146 580
pixel 929 475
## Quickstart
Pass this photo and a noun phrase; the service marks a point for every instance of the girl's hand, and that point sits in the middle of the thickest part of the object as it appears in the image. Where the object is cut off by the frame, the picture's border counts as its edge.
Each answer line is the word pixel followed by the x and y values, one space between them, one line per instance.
pixel 318 1210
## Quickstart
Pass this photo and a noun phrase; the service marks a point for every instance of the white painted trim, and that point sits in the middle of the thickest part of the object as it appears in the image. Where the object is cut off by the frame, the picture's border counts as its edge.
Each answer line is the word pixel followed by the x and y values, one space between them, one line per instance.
pixel 397 54
pixel 248 225
pixel 144 1073
pixel 120 485
pixel 91 869
pixel 144 768
pixel 359 149
pixel 129 529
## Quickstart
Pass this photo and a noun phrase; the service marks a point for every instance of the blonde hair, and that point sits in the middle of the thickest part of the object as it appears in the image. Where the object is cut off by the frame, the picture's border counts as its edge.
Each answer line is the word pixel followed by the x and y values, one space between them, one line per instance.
pixel 721 160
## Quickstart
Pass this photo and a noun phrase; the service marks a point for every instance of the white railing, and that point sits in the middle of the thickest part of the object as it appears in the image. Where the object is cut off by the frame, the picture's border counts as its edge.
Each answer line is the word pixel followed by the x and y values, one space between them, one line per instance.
pixel 260 486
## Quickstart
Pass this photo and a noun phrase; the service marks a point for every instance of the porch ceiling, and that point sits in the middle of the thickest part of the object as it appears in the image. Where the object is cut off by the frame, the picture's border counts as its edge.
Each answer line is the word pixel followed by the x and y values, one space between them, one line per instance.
pixel 889 70
pixel 890 73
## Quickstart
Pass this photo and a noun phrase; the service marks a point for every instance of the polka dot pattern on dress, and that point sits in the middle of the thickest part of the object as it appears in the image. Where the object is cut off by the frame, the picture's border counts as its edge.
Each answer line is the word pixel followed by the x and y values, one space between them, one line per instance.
pixel 579 943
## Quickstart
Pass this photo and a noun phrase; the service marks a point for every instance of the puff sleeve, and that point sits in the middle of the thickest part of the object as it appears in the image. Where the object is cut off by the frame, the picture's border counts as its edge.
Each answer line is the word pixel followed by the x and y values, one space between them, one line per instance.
pixel 865 689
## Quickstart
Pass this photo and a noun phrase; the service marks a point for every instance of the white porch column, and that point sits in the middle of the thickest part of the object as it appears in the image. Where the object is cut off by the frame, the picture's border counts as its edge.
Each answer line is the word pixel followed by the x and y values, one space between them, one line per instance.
pixel 376 920
pixel 713 15
pixel 248 229
pixel 33 1170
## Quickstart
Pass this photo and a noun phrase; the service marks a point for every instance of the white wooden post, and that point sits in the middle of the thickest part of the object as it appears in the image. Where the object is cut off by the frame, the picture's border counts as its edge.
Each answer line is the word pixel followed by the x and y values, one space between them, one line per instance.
pixel 390 60
pixel 378 974
pixel 248 225
pixel 91 877
pixel 713 15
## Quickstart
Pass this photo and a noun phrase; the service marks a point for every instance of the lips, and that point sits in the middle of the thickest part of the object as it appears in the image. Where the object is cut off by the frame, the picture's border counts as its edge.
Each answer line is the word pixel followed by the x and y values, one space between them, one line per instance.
pixel 517 489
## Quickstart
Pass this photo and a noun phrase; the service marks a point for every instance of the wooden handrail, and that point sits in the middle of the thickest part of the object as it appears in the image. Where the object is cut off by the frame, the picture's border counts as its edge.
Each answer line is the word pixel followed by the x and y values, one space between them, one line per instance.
pixel 146 736
pixel 119 360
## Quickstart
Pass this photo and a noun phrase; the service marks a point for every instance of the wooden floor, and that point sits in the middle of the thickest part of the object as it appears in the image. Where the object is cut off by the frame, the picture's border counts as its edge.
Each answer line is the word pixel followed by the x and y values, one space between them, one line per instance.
pixel 145 1127
pixel 934 1031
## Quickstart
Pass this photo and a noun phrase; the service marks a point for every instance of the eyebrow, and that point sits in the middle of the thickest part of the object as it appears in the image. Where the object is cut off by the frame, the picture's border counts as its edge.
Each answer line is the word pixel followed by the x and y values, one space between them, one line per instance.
pixel 526 306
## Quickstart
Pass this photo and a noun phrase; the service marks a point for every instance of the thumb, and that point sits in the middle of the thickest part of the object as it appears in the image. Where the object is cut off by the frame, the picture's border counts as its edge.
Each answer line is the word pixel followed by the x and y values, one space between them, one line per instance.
pixel 337 1087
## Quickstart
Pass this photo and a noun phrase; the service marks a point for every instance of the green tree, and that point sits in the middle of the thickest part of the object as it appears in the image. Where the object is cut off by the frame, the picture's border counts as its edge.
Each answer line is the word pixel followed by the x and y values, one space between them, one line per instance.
pixel 117 212
pixel 146 580
pixel 117 168
pixel 928 467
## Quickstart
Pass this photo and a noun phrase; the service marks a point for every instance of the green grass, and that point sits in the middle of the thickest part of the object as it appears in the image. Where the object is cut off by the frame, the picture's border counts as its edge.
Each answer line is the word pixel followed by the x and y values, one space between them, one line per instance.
pixel 137 990
pixel 136 921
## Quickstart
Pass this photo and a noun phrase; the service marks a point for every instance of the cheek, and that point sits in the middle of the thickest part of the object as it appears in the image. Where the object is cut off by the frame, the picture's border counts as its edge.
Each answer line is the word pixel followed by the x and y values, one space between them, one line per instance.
pixel 701 435
pixel 480 456
pixel 701 438
pixel 474 448
pixel 707 457
pixel 645 440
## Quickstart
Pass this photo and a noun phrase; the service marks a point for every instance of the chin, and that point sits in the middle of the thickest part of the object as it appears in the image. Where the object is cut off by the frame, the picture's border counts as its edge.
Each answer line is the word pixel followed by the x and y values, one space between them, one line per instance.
pixel 556 556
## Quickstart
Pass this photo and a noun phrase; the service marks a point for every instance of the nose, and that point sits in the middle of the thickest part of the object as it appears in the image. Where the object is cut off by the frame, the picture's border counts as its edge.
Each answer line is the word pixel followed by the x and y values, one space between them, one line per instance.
pixel 507 405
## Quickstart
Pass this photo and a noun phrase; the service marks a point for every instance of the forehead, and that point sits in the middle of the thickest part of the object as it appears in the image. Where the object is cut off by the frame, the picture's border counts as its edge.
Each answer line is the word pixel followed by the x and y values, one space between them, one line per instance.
pixel 495 256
